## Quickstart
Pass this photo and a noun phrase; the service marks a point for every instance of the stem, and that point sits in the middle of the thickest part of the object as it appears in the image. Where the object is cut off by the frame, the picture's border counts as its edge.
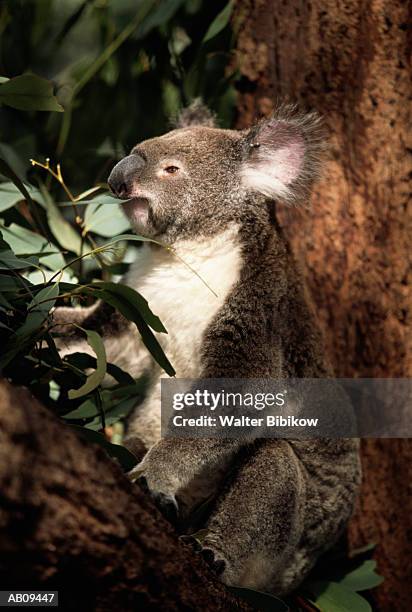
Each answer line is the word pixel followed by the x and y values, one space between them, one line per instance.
pixel 101 409
pixel 168 248
pixel 57 175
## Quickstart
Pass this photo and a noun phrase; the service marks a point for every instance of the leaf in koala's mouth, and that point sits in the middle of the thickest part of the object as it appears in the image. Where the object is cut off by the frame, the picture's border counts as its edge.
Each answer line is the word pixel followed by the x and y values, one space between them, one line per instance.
pixel 137 210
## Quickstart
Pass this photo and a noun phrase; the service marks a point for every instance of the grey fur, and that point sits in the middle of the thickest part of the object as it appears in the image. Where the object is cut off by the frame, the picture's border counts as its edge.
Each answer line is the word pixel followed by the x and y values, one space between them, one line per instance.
pixel 279 504
pixel 195 114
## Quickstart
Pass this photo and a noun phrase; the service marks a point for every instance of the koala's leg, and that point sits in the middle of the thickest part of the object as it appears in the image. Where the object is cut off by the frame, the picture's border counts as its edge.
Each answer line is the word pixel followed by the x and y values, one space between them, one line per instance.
pixel 144 424
pixel 281 511
pixel 100 317
pixel 258 521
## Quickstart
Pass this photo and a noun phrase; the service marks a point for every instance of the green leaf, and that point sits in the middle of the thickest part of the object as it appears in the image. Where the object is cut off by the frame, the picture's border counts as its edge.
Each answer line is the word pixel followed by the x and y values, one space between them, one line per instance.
pixel 8 261
pixel 93 380
pixel 10 173
pixel 219 23
pixel 110 399
pixel 29 92
pixel 135 300
pixel 132 314
pixel 64 233
pixel 11 195
pixel 120 411
pixel 162 12
pixel 362 578
pixel 362 549
pixel 37 313
pixel 126 459
pixel 103 219
pixel 4 302
pixel 11 284
pixel 13 159
pixel 42 303
pixel 333 597
pixel 265 602
pixel 26 242
pixel 129 308
pixel 83 361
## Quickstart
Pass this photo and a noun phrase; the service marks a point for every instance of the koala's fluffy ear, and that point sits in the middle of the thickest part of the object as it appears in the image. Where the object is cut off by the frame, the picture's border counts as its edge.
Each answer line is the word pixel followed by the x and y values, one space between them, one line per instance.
pixel 283 154
pixel 195 114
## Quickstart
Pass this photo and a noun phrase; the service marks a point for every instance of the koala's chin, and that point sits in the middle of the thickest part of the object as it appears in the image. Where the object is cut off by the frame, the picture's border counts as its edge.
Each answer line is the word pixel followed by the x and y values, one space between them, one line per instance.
pixel 137 210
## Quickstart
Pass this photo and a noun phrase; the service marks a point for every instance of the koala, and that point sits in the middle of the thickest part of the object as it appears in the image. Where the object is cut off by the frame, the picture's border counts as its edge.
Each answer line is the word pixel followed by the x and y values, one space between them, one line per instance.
pixel 211 194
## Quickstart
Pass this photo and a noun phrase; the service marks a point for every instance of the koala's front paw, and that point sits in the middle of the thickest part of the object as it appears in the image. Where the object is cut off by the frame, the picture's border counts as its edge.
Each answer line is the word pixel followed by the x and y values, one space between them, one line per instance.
pixel 166 502
pixel 153 480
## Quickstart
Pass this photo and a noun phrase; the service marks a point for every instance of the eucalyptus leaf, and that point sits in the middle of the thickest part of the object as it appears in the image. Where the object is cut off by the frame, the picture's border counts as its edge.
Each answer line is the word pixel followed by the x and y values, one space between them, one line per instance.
pixel 84 361
pixel 4 302
pixel 12 284
pixel 129 308
pixel 14 160
pixel 26 242
pixel 37 313
pixel 10 173
pixel 362 578
pixel 161 13
pixel 11 195
pixel 219 23
pixel 333 597
pixel 132 314
pixel 120 411
pixel 64 233
pixel 29 92
pixel 8 261
pixel 135 300
pixel 95 341
pixel 362 550
pixel 110 399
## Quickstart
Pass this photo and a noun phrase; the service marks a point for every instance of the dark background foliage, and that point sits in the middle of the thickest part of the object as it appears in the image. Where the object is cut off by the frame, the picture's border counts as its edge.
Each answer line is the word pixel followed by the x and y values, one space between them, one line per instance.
pixel 162 63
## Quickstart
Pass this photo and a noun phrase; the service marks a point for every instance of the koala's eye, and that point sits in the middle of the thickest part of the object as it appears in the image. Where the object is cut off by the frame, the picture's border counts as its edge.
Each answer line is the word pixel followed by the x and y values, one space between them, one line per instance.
pixel 171 169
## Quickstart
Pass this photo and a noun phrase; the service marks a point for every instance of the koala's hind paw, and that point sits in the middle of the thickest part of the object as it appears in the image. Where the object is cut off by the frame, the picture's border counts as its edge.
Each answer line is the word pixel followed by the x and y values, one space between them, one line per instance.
pixel 166 502
pixel 212 559
pixel 217 564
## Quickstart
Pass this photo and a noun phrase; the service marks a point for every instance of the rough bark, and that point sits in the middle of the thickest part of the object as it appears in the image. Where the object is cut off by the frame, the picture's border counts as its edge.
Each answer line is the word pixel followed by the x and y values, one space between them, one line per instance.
pixel 350 61
pixel 71 521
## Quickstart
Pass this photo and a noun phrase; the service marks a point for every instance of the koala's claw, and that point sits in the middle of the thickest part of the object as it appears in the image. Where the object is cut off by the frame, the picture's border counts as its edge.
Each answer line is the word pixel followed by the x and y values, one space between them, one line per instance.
pixel 142 482
pixel 217 565
pixel 167 504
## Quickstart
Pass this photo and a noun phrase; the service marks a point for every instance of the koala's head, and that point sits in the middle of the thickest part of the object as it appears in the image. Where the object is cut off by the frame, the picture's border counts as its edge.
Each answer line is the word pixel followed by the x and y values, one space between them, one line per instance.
pixel 197 179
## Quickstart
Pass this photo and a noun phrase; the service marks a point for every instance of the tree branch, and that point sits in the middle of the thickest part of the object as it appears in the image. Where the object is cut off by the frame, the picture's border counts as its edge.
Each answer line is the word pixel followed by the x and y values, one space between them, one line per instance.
pixel 71 521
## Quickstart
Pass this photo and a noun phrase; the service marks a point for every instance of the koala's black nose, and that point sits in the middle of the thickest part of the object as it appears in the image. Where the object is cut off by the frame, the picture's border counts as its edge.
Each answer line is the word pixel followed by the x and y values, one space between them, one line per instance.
pixel 124 174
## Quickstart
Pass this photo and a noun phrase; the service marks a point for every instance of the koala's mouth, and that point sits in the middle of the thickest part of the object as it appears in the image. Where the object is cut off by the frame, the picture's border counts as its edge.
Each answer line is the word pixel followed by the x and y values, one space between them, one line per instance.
pixel 137 210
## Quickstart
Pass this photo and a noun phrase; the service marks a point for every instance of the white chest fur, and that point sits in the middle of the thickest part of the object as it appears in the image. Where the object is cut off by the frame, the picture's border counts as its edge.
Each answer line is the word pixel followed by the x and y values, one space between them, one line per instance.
pixel 184 302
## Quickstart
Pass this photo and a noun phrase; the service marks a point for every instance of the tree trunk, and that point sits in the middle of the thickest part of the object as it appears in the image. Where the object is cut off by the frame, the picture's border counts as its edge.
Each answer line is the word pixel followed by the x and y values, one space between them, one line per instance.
pixel 351 62
pixel 71 521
